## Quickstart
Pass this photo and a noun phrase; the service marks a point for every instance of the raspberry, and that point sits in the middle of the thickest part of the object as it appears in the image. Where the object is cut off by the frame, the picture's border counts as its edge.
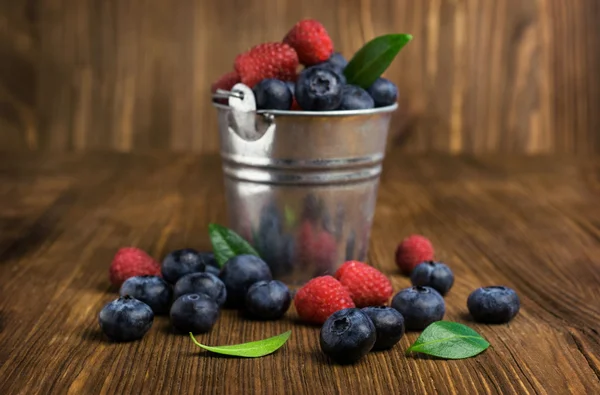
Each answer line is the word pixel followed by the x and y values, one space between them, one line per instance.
pixel 321 297
pixel 130 262
pixel 269 60
pixel 295 105
pixel 412 251
pixel 316 247
pixel 225 82
pixel 311 41
pixel 367 285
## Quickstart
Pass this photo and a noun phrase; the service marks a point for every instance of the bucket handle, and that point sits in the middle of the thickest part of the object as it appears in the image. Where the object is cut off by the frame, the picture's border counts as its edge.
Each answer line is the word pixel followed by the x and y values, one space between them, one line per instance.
pixel 245 121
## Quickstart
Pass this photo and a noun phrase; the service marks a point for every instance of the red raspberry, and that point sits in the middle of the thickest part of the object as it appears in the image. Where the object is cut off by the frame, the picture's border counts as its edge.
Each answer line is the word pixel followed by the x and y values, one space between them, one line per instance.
pixel 295 105
pixel 269 60
pixel 311 41
pixel 316 247
pixel 130 262
pixel 321 297
pixel 412 251
pixel 226 81
pixel 367 285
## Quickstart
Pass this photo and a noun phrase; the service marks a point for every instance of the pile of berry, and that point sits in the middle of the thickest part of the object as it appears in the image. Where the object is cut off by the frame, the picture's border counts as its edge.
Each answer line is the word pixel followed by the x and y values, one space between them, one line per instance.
pixel 190 287
pixel 351 306
pixel 271 70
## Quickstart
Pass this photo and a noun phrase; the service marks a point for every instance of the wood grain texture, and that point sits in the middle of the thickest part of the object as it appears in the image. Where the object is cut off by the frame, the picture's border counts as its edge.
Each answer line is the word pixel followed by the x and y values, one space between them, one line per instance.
pixel 511 76
pixel 532 224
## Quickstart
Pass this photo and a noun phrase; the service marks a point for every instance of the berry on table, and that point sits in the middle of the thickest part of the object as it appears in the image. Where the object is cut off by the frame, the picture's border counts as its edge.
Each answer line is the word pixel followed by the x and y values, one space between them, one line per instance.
pixel 319 89
pixel 311 42
pixel 268 60
pixel 355 98
pixel 420 306
pixel 321 297
pixel 125 319
pixel 272 94
pixel 201 283
pixel 347 336
pixel 152 290
pixel 178 263
pixel 389 325
pixel 239 273
pixel 436 275
pixel 367 286
pixel 384 92
pixel 493 305
pixel 212 266
pixel 268 300
pixel 196 313
pixel 413 250
pixel 129 262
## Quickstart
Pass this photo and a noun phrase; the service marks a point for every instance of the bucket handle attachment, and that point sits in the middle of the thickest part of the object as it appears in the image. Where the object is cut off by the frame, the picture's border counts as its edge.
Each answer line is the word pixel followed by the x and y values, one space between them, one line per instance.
pixel 244 120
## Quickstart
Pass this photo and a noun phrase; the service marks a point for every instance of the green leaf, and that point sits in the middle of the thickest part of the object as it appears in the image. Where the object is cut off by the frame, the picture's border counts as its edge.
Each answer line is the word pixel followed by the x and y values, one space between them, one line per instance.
pixel 254 349
pixel 369 62
pixel 227 244
pixel 449 340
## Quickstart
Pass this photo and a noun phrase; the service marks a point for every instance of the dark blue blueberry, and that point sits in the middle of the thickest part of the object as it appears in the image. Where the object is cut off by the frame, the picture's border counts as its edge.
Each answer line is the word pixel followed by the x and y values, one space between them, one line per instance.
pixel 291 86
pixel 239 273
pixel 152 290
pixel 212 266
pixel 334 68
pixel 196 313
pixel 272 94
pixel 347 336
pixel 420 306
pixel 268 300
pixel 125 319
pixel 493 305
pixel 355 98
pixel 436 275
pixel 338 60
pixel 201 283
pixel 389 325
pixel 181 262
pixel 384 92
pixel 319 89
pixel 275 247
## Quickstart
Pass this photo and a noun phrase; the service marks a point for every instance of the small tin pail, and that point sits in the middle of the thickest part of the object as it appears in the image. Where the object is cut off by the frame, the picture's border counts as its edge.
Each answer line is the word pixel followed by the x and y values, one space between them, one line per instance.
pixel 302 186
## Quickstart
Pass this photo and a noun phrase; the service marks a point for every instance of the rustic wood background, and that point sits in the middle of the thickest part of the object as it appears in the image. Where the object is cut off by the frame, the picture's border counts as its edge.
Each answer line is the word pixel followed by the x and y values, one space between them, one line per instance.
pixel 480 76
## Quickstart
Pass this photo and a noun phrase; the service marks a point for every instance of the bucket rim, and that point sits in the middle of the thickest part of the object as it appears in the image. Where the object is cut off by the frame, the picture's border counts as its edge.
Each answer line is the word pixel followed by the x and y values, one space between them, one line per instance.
pixel 336 113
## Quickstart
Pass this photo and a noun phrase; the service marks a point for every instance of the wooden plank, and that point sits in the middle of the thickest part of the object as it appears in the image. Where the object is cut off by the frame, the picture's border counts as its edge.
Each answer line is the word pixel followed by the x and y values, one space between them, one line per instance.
pixel 514 76
pixel 532 224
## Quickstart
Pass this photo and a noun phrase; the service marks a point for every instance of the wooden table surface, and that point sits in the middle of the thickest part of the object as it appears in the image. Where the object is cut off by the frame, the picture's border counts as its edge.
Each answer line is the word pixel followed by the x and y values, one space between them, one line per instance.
pixel 529 223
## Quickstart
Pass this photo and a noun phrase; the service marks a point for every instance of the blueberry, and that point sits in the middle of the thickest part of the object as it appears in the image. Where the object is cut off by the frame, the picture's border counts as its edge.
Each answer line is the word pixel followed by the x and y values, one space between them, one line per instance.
pixel 212 266
pixel 420 306
pixel 291 86
pixel 125 319
pixel 347 336
pixel 152 290
pixel 274 246
pixel 338 61
pixel 355 98
pixel 436 275
pixel 181 262
pixel 389 326
pixel 268 300
pixel 493 305
pixel 272 94
pixel 319 89
pixel 196 313
pixel 334 68
pixel 201 283
pixel 383 92
pixel 239 273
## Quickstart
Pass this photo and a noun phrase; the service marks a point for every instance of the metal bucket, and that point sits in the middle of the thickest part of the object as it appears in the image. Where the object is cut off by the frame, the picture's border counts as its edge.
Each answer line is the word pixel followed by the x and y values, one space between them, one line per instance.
pixel 302 186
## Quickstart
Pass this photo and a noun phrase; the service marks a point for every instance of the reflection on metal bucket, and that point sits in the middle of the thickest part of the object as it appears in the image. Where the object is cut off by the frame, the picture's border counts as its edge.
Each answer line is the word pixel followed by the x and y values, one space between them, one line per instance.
pixel 302 186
